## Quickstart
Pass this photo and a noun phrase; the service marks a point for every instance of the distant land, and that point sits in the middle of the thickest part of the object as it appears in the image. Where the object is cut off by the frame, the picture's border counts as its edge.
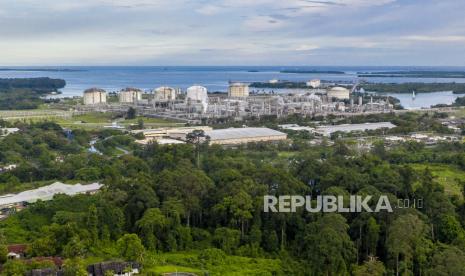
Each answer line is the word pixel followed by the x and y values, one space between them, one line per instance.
pixel 413 74
pixel 41 69
pixel 290 71
pixel 26 93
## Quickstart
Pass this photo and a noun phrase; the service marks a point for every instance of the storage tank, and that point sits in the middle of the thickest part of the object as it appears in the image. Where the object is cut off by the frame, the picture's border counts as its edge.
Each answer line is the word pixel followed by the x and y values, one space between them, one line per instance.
pixel 165 93
pixel 94 96
pixel 130 95
pixel 198 93
pixel 238 89
pixel 339 93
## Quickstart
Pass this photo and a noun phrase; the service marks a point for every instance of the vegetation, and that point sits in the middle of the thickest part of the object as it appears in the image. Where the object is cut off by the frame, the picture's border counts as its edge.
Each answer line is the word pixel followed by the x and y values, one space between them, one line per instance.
pixel 26 93
pixel 413 74
pixel 199 208
pixel 418 87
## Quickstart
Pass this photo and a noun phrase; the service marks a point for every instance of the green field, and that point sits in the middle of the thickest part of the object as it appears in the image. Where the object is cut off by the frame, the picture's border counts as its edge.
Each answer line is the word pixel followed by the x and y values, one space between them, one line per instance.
pixel 189 262
pixel 446 175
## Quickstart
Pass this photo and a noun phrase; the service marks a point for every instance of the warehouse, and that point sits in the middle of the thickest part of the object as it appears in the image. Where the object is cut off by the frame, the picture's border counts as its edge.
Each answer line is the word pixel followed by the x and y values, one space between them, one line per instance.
pixel 328 130
pixel 232 136
pixel 47 193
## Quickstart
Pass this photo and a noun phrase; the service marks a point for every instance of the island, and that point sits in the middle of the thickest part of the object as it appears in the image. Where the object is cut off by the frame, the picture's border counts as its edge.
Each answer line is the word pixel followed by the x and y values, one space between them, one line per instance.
pixel 27 93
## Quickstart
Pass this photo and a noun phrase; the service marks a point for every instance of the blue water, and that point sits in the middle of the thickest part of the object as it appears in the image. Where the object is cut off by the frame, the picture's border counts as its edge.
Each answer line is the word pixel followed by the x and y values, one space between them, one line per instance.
pixel 215 78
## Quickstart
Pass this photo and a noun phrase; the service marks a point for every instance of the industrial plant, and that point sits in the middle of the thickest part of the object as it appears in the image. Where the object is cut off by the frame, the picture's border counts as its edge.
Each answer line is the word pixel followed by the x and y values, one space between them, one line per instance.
pixel 195 103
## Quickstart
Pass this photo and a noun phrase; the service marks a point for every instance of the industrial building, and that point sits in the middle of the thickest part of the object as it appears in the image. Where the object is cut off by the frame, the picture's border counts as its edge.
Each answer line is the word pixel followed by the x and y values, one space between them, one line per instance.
pixel 47 193
pixel 238 90
pixel 171 132
pixel 130 95
pixel 340 93
pixel 314 83
pixel 93 96
pixel 328 130
pixel 165 93
pixel 234 136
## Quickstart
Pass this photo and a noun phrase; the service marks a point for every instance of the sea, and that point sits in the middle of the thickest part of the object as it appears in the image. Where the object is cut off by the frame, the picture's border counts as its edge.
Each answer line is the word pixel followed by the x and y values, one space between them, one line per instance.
pixel 216 78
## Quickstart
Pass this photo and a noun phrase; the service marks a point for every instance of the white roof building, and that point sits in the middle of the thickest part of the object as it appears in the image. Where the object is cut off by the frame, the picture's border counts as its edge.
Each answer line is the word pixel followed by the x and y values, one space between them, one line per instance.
pixel 329 129
pixel 244 135
pixel 47 193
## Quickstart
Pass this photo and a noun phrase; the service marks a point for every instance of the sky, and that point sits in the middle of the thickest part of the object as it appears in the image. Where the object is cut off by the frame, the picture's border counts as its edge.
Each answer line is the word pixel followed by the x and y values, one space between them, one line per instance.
pixel 232 32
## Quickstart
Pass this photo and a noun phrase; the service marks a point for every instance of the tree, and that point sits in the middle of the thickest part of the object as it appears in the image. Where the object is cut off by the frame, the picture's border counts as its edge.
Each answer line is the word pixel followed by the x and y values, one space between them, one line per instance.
pixel 197 137
pixel 371 267
pixel 130 248
pixel 403 236
pixel 372 236
pixel 92 222
pixel 131 113
pixel 152 222
pixel 328 236
pixel 74 267
pixel 14 268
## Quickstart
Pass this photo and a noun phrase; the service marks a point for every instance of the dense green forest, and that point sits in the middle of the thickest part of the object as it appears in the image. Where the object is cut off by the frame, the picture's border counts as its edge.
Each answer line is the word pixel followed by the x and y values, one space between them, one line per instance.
pixel 162 208
pixel 26 93
pixel 418 87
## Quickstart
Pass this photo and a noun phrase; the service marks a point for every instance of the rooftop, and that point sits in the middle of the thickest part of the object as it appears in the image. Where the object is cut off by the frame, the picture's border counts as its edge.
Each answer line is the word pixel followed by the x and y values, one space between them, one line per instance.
pixel 245 132
pixel 47 192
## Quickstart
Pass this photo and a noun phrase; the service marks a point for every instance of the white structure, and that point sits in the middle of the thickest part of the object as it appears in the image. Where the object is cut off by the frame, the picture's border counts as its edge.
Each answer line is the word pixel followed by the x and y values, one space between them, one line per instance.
pixel 231 136
pixel 8 130
pixel 273 81
pixel 130 95
pixel 94 96
pixel 238 90
pixel 328 130
pixel 165 93
pixel 340 93
pixel 314 83
pixel 47 193
pixel 199 94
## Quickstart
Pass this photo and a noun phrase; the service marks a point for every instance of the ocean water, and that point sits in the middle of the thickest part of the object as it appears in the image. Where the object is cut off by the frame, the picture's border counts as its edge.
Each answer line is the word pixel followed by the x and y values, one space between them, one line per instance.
pixel 216 78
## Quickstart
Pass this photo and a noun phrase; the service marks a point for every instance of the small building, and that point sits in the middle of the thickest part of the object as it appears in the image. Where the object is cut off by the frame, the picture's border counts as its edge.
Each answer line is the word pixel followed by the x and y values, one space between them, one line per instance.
pixel 314 83
pixel 329 129
pixel 232 136
pixel 8 130
pixel 130 95
pixel 238 90
pixel 16 251
pixel 93 96
pixel 118 268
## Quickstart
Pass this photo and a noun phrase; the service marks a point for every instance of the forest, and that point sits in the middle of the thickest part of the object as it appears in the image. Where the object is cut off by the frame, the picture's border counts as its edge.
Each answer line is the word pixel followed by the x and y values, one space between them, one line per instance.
pixel 26 93
pixel 162 208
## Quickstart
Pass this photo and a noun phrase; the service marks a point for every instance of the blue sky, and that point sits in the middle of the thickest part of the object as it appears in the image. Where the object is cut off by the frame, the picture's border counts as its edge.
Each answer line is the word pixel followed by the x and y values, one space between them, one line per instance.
pixel 232 32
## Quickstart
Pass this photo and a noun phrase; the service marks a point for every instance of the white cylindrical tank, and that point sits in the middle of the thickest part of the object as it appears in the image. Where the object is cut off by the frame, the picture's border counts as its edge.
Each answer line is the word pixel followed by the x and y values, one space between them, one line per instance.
pixel 130 95
pixel 165 93
pixel 238 89
pixel 339 93
pixel 197 93
pixel 94 96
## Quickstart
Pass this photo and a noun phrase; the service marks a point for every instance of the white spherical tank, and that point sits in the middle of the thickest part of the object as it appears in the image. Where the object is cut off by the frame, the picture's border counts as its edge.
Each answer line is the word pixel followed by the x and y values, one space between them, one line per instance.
pixel 165 93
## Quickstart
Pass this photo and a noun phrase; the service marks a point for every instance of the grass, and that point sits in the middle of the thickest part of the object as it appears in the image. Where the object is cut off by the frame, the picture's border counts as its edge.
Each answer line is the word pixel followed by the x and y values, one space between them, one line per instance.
pixel 189 262
pixel 446 175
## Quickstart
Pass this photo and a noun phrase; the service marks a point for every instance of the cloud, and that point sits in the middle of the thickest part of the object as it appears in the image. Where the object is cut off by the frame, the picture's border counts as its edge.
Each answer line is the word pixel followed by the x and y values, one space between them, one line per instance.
pixel 263 23
pixel 306 47
pixel 209 10
pixel 433 38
